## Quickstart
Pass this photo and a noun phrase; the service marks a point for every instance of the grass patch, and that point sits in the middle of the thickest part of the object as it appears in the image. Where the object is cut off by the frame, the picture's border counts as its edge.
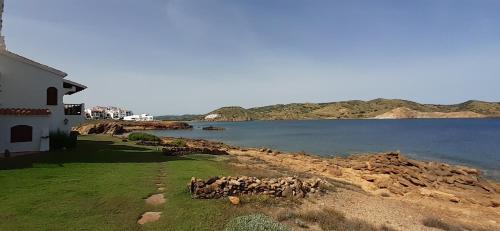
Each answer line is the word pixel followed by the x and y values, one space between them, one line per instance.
pixel 97 186
pixel 139 136
pixel 101 185
pixel 183 213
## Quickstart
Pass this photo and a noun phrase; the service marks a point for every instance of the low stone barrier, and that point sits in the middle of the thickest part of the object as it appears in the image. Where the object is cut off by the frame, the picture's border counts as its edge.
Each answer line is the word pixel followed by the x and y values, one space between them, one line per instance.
pixel 217 187
pixel 179 151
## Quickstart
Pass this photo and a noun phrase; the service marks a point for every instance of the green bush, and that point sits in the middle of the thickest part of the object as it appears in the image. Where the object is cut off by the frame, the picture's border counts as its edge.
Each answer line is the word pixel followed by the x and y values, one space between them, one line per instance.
pixel 138 136
pixel 178 143
pixel 60 140
pixel 255 222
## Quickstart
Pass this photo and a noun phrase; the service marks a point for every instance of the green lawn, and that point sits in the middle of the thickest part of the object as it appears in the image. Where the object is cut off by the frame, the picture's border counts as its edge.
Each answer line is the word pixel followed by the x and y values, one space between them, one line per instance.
pixel 101 185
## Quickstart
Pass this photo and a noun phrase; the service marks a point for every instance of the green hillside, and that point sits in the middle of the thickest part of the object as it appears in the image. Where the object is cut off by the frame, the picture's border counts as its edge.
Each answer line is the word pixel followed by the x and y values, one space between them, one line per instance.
pixel 347 110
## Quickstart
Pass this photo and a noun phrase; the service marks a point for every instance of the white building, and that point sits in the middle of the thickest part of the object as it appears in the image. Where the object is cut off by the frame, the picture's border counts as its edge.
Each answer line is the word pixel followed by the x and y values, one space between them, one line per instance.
pixel 212 116
pixel 95 113
pixel 31 102
pixel 109 112
pixel 141 117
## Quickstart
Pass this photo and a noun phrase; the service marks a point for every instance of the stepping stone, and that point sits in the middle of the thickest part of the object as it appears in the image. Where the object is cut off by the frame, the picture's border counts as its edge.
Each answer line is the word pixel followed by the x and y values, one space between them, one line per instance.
pixel 161 189
pixel 156 199
pixel 149 217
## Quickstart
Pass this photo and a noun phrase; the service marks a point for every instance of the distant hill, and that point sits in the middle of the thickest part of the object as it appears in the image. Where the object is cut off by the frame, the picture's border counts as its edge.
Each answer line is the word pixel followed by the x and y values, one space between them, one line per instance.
pixel 357 109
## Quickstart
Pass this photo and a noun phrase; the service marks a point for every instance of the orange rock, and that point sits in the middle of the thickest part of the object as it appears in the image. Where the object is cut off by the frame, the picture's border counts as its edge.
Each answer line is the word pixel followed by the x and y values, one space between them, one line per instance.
pixel 234 200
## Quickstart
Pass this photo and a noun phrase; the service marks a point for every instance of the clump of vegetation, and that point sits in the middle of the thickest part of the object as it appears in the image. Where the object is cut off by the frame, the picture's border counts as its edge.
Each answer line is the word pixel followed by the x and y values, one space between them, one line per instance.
pixel 440 224
pixel 139 136
pixel 329 219
pixel 255 222
pixel 61 140
pixel 178 143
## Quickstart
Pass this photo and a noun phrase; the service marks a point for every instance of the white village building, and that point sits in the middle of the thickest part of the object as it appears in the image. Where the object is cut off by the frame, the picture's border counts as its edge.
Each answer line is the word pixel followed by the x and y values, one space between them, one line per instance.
pixel 212 117
pixel 95 113
pixel 109 112
pixel 31 102
pixel 141 117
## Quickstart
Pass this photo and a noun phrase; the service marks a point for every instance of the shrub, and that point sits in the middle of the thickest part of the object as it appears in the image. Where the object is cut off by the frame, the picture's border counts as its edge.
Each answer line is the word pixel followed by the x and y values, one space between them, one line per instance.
pixel 255 222
pixel 178 143
pixel 137 136
pixel 60 140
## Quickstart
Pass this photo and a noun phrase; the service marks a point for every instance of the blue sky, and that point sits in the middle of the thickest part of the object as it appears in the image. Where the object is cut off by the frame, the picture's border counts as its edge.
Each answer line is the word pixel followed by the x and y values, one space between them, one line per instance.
pixel 187 56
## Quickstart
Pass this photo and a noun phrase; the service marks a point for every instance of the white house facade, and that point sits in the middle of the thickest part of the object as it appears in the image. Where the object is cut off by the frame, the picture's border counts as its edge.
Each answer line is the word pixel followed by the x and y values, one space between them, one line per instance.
pixel 141 117
pixel 31 103
pixel 109 112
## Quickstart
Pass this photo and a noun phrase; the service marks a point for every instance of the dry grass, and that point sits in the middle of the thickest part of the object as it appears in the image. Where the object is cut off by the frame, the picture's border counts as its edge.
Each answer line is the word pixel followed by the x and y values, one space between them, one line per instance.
pixel 328 219
pixel 443 225
pixel 439 224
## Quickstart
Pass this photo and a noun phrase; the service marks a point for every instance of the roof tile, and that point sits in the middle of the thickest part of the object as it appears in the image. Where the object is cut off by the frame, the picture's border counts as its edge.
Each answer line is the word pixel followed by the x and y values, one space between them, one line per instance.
pixel 24 112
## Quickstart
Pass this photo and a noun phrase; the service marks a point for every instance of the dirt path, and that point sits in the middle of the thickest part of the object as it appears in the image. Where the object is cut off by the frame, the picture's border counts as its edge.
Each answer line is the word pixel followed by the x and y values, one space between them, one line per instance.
pixel 157 199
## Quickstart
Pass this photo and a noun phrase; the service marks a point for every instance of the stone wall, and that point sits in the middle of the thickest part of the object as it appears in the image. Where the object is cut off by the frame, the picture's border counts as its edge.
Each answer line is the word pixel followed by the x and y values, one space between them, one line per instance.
pixel 217 187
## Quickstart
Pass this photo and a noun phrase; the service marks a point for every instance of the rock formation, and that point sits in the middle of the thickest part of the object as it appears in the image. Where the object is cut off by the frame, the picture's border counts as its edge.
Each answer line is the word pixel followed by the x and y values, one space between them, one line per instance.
pixel 120 127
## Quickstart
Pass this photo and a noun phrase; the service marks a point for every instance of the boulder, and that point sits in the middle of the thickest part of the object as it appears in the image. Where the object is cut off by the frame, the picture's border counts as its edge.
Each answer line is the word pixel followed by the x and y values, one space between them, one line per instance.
pixel 234 200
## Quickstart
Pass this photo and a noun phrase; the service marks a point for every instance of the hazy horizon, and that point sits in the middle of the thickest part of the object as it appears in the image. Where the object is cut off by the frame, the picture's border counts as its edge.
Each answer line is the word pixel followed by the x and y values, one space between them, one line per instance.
pixel 171 57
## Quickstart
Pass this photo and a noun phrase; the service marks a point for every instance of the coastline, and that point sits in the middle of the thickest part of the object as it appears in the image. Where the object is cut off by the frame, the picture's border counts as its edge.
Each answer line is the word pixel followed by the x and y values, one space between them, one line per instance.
pixel 470 142
pixel 373 187
pixel 449 190
pixel 357 165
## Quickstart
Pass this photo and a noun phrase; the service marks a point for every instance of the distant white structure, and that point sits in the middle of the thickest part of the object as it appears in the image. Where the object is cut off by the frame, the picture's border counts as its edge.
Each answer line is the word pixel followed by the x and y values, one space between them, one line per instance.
pixel 212 116
pixel 109 112
pixel 95 113
pixel 141 117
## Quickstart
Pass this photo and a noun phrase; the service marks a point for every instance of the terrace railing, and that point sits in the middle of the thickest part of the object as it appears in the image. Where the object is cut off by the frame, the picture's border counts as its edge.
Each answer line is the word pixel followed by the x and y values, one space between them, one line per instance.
pixel 73 109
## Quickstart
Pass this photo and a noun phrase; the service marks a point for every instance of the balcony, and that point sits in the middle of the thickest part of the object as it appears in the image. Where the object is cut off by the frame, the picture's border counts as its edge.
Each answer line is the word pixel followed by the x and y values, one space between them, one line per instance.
pixel 73 109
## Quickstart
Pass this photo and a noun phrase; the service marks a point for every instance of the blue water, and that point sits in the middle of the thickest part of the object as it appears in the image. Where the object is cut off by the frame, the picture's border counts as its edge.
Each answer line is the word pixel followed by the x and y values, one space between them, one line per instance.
pixel 472 142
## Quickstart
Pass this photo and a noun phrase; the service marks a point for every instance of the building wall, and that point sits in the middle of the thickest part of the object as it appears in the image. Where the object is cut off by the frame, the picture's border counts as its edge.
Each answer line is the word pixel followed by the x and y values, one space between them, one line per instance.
pixel 40 126
pixel 2 40
pixel 23 85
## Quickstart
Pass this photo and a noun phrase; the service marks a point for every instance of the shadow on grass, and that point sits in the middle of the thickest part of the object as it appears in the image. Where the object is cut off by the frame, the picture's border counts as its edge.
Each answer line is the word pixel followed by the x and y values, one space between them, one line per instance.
pixel 90 151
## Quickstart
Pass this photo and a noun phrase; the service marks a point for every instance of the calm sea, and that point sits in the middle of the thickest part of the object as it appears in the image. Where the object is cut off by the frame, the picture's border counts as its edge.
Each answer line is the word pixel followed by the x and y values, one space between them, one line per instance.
pixel 472 142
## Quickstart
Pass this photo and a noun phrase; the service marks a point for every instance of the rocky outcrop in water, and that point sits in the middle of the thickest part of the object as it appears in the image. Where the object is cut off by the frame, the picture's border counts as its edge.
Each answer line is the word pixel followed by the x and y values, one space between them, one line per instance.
pixel 212 128
pixel 120 127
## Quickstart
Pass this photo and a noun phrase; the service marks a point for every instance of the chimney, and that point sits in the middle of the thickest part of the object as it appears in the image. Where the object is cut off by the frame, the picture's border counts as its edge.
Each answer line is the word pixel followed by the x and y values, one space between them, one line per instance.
pixel 2 39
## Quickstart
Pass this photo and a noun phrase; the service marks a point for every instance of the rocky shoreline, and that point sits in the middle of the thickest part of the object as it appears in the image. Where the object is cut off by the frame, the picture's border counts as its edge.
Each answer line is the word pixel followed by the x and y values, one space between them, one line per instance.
pixel 121 127
pixel 385 174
